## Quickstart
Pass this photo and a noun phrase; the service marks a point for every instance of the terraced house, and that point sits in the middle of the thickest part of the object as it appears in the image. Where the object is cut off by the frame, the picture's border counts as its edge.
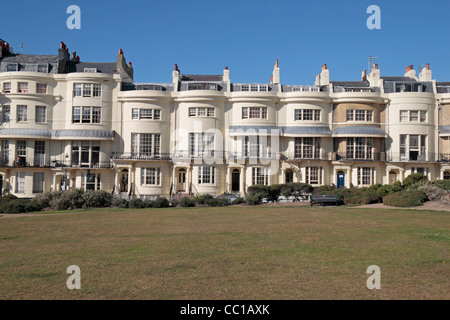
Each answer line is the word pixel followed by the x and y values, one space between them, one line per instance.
pixel 69 124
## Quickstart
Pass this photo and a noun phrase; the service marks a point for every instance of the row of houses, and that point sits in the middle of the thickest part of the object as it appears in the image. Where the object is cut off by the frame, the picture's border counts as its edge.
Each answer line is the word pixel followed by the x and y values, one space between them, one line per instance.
pixel 69 124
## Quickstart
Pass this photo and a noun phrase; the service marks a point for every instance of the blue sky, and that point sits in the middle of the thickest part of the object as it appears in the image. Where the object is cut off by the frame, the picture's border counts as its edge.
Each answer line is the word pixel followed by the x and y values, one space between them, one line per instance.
pixel 203 37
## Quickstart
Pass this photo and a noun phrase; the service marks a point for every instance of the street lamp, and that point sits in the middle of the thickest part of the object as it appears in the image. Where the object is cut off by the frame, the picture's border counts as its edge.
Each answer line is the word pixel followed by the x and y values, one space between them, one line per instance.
pixel 65 172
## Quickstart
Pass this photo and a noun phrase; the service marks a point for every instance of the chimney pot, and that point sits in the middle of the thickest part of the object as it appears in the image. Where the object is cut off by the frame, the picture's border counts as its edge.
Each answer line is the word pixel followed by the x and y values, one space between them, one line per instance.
pixel 324 67
pixel 409 68
pixel 74 54
pixel 176 68
pixel 428 66
pixel 63 45
pixel 226 68
pixel 121 51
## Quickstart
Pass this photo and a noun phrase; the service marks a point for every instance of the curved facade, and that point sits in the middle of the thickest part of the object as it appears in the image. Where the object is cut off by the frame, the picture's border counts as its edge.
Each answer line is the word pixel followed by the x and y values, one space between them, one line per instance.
pixel 70 124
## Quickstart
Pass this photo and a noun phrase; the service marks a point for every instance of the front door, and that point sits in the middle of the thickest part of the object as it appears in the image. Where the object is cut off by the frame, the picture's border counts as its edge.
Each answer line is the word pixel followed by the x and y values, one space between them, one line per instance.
pixel 235 180
pixel 340 179
pixel 181 185
pixel 392 177
pixel 124 181
pixel 289 176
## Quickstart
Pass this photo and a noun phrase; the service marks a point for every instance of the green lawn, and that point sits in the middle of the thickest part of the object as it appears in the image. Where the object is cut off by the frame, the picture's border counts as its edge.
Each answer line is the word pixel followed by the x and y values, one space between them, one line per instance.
pixel 227 253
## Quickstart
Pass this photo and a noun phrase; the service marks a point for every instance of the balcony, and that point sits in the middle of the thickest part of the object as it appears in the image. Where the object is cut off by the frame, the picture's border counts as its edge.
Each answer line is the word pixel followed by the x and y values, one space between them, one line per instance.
pixel 206 154
pixel 414 156
pixel 252 155
pixel 356 156
pixel 305 156
pixel 140 156
pixel 444 157
pixel 45 162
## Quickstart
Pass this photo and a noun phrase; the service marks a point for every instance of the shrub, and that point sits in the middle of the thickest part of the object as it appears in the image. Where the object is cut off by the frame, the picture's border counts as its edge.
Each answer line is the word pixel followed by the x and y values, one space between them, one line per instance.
pixel 137 203
pixel 119 202
pixel 434 192
pixel 405 198
pixel 161 202
pixel 65 200
pixel 254 199
pixel 203 199
pixel 186 202
pixel 271 192
pixel 443 184
pixel 239 200
pixel 7 198
pixel 413 181
pixel 18 206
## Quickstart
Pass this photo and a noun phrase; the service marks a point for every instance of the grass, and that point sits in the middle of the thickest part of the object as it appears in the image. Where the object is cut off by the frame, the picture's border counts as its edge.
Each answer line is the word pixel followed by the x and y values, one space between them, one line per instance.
pixel 226 253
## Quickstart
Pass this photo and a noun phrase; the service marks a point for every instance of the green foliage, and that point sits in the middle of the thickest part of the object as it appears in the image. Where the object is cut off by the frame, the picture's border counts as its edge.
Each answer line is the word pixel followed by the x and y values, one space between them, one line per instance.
pixel 434 192
pixel 271 193
pixel 413 181
pixel 239 200
pixel 119 202
pixel 161 202
pixel 443 184
pixel 96 199
pixel 18 206
pixel 65 200
pixel 405 198
pixel 295 189
pixel 254 199
pixel 186 202
pixel 7 198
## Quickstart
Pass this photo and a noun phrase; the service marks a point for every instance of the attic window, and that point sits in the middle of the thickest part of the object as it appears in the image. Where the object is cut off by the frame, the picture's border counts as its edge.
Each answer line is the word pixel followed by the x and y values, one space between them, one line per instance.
pixel 42 68
pixel 12 67
pixel 90 70
pixel 203 86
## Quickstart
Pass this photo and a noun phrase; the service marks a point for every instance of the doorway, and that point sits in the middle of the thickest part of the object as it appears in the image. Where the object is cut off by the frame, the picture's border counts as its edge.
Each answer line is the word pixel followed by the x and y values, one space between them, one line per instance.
pixel 289 176
pixel 181 183
pixel 392 177
pixel 235 180
pixel 340 179
pixel 124 181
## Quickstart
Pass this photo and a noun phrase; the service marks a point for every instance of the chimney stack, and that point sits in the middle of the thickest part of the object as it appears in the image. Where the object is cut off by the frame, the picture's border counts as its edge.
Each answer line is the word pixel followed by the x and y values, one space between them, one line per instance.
pixel 410 72
pixel 176 77
pixel 323 79
pixel 275 79
pixel 425 74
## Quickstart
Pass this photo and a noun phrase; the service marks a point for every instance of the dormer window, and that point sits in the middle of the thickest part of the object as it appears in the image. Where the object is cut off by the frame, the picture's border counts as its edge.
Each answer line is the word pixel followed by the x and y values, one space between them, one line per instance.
pixel 203 86
pixel 10 67
pixel 90 70
pixel 43 68
pixel 255 87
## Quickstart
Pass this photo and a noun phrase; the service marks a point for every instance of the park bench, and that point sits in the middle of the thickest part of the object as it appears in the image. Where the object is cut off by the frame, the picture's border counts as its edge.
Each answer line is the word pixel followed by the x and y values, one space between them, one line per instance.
pixel 323 198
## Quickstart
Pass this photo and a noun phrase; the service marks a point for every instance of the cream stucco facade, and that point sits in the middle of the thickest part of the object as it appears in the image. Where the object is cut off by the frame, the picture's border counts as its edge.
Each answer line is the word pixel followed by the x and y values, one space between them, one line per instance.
pixel 88 125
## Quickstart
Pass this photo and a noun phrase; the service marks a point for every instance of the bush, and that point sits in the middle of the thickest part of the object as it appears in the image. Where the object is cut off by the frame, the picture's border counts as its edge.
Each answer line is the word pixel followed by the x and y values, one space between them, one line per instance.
pixel 271 193
pixel 7 198
pixel 413 181
pixel 254 199
pixel 434 192
pixel 239 200
pixel 161 202
pixel 138 203
pixel 96 199
pixel 443 184
pixel 119 202
pixel 65 200
pixel 18 206
pixel 186 202
pixel 203 199
pixel 405 198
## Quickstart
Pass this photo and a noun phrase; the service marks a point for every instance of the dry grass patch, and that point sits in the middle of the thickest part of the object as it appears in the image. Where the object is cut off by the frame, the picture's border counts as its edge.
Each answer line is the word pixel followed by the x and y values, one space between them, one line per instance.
pixel 227 253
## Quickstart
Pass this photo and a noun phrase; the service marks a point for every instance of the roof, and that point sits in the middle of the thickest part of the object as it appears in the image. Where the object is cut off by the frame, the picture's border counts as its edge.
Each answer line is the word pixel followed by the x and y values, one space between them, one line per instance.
pixel 102 67
pixel 199 77
pixel 281 130
pixel 106 134
pixel 356 84
pixel 30 58
pixel 399 79
pixel 359 130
